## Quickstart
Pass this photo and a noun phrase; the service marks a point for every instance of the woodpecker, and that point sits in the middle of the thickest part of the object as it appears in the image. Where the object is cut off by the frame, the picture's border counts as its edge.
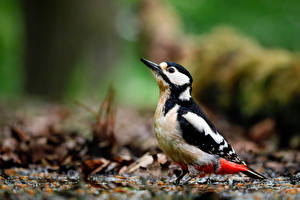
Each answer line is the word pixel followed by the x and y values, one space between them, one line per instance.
pixel 185 133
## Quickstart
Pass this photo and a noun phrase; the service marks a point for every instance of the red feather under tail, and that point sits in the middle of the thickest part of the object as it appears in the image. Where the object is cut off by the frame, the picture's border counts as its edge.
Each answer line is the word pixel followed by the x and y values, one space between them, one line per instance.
pixel 227 167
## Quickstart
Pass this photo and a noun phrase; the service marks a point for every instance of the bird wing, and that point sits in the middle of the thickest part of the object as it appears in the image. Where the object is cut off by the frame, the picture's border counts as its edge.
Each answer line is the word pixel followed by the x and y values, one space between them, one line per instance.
pixel 199 131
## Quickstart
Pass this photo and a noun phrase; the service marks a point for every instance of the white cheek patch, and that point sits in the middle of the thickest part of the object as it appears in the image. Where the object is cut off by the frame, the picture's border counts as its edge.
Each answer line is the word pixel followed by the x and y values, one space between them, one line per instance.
pixel 185 95
pixel 200 124
pixel 177 78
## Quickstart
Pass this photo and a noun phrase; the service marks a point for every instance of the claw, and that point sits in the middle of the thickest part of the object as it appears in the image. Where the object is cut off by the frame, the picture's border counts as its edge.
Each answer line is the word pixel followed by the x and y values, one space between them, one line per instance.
pixel 177 182
pixel 182 174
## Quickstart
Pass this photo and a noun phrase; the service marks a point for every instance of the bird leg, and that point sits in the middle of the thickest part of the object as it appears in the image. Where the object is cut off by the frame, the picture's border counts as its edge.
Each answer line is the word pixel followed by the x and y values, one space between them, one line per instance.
pixel 193 172
pixel 182 174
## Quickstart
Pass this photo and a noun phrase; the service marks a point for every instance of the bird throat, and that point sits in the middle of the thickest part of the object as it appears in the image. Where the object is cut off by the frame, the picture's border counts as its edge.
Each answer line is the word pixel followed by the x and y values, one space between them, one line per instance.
pixel 164 95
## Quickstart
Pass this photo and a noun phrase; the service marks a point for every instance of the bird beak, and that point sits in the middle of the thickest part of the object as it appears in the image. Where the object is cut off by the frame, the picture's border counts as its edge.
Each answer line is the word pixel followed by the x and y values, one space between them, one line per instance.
pixel 153 66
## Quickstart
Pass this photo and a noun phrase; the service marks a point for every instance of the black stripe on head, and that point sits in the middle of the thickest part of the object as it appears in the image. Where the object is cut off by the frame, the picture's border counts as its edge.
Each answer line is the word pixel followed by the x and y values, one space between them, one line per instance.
pixel 174 98
pixel 177 90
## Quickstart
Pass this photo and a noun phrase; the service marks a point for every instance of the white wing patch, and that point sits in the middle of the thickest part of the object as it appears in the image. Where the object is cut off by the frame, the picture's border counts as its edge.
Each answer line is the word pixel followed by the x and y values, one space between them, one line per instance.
pixel 185 95
pixel 177 77
pixel 202 126
pixel 225 145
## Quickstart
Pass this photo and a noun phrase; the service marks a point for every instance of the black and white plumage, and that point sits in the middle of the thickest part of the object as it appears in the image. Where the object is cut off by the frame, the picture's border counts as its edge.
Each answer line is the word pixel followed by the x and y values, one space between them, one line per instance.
pixel 183 130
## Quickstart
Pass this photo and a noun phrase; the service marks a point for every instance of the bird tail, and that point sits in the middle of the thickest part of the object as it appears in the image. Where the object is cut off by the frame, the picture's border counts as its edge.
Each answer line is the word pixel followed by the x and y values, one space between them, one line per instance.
pixel 227 167
pixel 253 174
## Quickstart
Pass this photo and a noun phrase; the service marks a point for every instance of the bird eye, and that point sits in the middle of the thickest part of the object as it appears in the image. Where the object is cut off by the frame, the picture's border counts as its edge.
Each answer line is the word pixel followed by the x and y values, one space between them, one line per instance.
pixel 171 70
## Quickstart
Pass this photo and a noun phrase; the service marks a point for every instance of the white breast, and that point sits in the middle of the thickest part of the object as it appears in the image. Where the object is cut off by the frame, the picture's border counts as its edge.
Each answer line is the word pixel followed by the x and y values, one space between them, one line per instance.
pixel 169 137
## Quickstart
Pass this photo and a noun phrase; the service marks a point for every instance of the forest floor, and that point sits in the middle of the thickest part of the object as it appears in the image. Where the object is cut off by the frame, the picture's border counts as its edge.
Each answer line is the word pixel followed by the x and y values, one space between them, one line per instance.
pixel 60 152
pixel 43 183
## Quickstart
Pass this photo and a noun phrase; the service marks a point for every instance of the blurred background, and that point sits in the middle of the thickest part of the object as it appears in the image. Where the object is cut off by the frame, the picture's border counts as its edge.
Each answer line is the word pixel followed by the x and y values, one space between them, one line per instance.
pixel 243 55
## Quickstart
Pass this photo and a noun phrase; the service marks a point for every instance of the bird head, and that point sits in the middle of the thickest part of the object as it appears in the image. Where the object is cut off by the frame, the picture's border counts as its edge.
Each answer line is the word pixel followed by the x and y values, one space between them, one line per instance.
pixel 173 77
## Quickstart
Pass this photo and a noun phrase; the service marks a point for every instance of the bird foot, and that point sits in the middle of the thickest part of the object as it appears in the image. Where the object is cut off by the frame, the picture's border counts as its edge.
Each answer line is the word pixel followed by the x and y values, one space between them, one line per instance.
pixel 183 180
pixel 182 174
pixel 176 182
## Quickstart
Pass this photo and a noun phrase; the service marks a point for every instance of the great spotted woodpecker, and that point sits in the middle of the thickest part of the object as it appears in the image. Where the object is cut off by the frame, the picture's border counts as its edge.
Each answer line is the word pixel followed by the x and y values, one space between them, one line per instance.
pixel 185 133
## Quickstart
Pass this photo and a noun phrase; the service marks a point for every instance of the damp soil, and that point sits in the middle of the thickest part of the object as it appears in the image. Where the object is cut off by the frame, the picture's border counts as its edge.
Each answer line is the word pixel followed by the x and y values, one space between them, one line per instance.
pixel 49 183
